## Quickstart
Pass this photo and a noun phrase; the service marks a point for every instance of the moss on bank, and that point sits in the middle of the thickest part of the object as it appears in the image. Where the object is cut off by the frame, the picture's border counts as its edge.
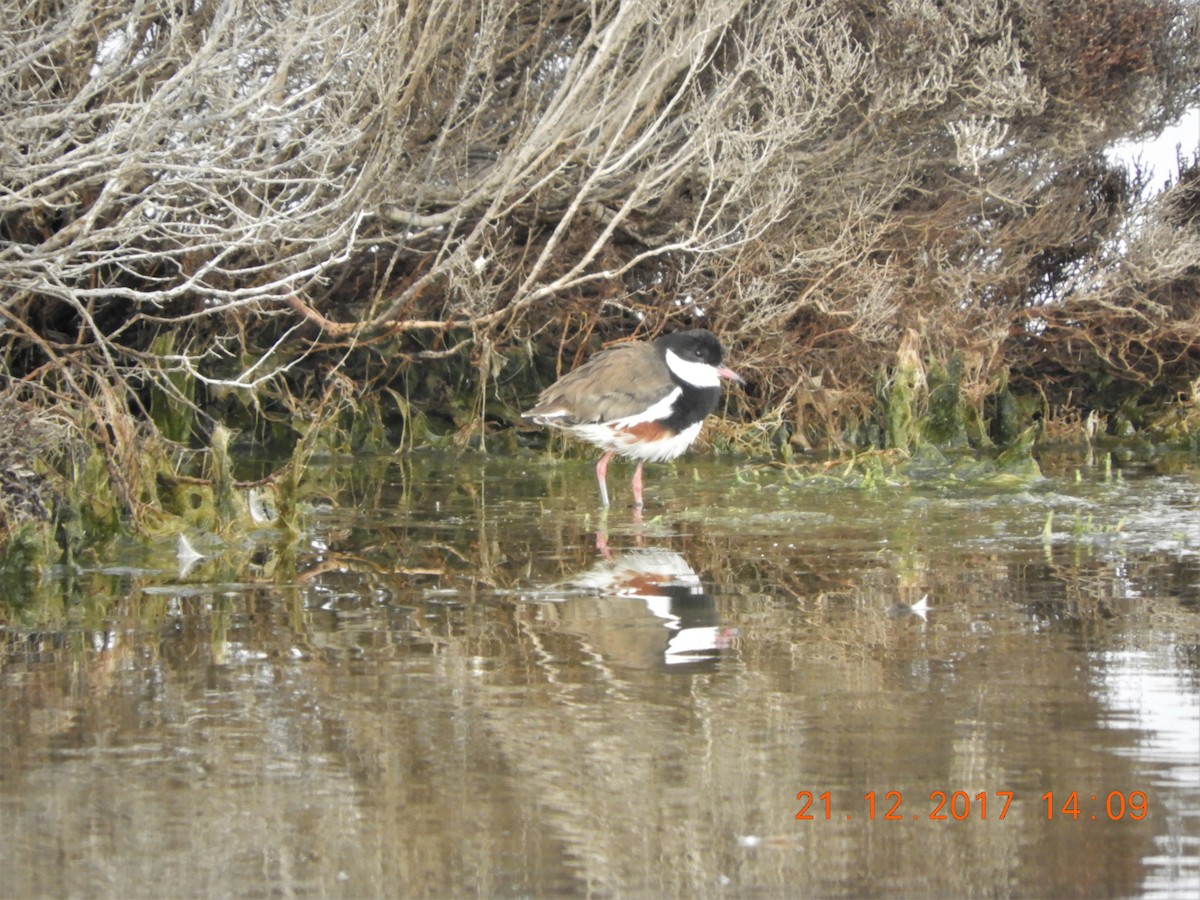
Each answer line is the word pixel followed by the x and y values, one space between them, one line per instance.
pixel 70 483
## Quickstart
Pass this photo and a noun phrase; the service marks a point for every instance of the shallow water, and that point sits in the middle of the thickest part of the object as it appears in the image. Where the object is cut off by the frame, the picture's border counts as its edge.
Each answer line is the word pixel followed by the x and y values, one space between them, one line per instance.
pixel 461 679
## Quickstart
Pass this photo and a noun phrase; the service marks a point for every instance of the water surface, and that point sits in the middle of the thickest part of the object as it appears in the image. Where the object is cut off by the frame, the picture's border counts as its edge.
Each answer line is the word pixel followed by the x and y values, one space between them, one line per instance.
pixel 461 679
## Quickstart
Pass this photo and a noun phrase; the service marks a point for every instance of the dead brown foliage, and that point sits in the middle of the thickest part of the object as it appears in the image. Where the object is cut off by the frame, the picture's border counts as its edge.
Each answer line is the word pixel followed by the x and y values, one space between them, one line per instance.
pixel 227 205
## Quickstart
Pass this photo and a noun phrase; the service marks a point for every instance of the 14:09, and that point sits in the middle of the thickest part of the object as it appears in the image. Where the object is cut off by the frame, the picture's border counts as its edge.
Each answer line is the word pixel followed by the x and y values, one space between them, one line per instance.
pixel 1117 805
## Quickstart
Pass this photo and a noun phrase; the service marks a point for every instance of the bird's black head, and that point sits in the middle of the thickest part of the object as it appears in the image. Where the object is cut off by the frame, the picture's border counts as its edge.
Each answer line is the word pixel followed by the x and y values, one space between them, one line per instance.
pixel 698 345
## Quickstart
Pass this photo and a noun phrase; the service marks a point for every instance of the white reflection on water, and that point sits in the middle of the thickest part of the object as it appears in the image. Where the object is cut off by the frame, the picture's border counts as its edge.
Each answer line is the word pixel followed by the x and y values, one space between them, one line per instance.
pixel 1145 692
pixel 672 592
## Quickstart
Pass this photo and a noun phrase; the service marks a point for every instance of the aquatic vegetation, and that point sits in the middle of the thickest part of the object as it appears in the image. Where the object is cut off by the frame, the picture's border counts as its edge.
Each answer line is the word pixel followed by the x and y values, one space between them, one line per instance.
pixel 397 291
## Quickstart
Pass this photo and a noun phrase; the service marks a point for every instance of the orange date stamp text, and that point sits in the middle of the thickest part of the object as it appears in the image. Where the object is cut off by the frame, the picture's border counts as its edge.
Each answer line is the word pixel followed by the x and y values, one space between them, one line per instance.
pixel 958 806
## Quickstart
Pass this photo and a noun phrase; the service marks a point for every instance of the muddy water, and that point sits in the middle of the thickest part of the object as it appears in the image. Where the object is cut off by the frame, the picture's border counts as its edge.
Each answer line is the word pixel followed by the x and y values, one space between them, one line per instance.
pixel 459 679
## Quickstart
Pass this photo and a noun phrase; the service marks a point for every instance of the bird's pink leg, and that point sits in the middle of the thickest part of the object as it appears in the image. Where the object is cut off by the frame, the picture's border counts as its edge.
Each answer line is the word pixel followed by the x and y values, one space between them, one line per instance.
pixel 602 538
pixel 637 486
pixel 602 477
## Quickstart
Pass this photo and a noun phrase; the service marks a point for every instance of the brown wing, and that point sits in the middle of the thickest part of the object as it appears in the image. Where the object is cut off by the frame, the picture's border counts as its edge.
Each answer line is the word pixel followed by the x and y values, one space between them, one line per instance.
pixel 621 381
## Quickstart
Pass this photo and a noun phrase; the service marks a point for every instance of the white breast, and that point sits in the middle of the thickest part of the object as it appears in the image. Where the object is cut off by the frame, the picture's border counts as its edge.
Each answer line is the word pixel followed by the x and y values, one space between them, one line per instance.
pixel 626 444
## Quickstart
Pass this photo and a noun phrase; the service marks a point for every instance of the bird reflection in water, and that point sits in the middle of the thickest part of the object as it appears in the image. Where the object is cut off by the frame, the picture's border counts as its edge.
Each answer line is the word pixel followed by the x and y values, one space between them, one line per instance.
pixel 644 607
